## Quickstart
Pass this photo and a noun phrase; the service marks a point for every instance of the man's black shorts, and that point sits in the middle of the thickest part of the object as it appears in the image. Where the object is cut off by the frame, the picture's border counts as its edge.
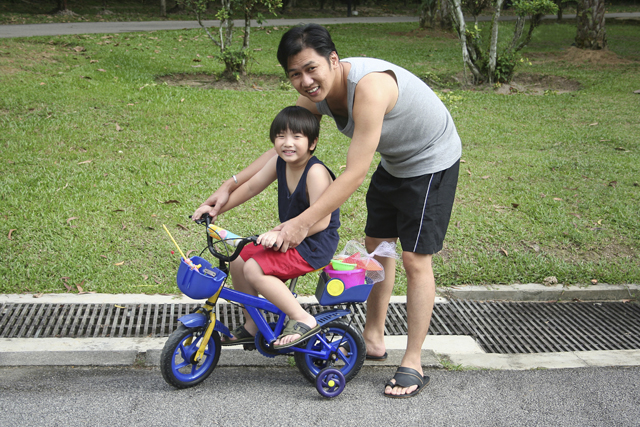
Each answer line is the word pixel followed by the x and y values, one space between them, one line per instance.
pixel 416 210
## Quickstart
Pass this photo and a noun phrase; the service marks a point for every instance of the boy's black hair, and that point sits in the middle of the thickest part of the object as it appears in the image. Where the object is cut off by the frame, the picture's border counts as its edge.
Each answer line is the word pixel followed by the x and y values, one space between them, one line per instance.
pixel 299 38
pixel 297 120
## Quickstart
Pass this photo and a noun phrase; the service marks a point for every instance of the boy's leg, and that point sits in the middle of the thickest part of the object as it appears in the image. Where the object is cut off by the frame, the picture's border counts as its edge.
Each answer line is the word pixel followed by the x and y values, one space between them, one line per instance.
pixel 279 294
pixel 241 284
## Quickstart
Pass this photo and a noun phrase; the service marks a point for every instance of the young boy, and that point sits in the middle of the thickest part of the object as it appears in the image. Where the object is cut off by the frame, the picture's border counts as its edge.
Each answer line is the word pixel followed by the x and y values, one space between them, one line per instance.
pixel 302 178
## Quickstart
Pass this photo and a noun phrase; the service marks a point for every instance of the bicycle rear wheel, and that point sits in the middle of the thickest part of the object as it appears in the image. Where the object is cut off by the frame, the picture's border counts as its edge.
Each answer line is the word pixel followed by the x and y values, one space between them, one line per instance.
pixel 350 357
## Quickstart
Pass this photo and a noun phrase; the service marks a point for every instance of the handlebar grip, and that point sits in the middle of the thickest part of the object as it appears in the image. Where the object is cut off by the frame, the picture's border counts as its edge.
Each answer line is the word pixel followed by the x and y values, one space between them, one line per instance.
pixel 219 233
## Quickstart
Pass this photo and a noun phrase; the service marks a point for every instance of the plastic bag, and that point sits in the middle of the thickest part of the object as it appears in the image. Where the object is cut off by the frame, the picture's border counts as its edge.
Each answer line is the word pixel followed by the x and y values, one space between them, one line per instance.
pixel 355 253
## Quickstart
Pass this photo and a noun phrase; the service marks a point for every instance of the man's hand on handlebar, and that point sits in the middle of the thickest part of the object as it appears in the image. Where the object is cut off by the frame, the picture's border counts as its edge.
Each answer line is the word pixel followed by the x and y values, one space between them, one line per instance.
pixel 290 235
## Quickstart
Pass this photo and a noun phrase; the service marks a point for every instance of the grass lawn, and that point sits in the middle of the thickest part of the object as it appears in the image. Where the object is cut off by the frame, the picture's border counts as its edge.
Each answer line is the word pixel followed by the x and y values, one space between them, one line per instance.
pixel 97 152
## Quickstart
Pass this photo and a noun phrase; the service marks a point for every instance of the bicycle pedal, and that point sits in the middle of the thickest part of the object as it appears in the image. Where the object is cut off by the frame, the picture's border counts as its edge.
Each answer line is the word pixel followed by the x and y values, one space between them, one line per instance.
pixel 249 347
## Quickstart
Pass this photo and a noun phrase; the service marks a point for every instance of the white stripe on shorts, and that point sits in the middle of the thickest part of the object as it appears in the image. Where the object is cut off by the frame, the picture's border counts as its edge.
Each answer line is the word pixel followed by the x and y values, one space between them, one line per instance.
pixel 424 207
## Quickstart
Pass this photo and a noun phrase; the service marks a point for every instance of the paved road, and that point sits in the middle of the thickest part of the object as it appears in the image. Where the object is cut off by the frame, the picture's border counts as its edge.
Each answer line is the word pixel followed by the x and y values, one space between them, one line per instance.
pixel 280 396
pixel 28 30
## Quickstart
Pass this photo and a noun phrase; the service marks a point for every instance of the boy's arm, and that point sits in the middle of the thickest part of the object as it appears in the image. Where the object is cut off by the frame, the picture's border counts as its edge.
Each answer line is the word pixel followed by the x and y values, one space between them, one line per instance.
pixel 217 200
pixel 318 180
pixel 255 185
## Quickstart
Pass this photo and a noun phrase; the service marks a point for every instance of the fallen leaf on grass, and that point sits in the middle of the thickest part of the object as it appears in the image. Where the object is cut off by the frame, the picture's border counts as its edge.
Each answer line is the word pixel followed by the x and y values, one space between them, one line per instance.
pixel 64 280
pixel 79 49
pixel 189 252
pixel 575 214
pixel 515 205
pixel 79 286
pixel 485 177
pixel 118 128
pixel 11 232
pixel 594 281
pixel 504 252
pixel 85 162
pixel 145 277
pixel 85 77
pixel 594 124
pixel 170 201
pixel 551 280
pixel 557 199
pixel 93 61
pixel 613 183
pixel 183 227
pixel 103 256
pixel 38 295
pixel 71 219
pixel 102 70
pixel 119 263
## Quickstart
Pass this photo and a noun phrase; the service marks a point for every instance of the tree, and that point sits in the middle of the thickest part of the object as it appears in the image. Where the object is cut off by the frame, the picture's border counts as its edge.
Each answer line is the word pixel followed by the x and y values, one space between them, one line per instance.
pixel 235 60
pixel 591 32
pixel 481 57
pixel 427 11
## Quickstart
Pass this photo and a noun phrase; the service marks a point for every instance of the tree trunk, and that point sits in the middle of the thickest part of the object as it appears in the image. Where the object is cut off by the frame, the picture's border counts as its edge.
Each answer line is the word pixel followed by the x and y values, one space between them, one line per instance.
pixel 163 8
pixel 591 32
pixel 445 14
pixel 461 28
pixel 493 47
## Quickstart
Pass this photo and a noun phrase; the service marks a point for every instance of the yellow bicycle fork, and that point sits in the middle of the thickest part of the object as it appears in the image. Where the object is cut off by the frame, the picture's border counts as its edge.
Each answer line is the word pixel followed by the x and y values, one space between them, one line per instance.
pixel 209 306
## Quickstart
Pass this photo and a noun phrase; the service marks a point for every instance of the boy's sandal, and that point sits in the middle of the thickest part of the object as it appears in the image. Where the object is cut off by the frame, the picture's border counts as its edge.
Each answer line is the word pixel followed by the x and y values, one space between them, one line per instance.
pixel 406 377
pixel 292 328
pixel 241 335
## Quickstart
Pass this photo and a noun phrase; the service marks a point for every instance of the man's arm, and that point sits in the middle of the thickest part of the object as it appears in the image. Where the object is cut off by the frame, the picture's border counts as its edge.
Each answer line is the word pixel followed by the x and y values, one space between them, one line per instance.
pixel 376 94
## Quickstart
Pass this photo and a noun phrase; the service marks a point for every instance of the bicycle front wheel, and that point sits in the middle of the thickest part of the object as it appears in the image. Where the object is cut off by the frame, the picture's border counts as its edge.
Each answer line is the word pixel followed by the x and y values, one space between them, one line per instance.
pixel 177 361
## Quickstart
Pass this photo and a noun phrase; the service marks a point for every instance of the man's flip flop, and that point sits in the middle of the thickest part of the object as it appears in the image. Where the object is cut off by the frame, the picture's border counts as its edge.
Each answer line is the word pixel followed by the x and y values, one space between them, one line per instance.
pixel 241 335
pixel 407 377
pixel 293 328
pixel 377 358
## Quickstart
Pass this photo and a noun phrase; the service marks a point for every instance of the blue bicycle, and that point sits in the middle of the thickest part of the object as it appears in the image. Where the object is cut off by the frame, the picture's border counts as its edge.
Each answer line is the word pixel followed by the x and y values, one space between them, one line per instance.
pixel 328 359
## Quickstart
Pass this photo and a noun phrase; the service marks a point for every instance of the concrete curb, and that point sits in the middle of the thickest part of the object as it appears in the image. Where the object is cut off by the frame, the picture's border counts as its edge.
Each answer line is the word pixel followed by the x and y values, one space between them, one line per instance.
pixel 438 351
pixel 538 292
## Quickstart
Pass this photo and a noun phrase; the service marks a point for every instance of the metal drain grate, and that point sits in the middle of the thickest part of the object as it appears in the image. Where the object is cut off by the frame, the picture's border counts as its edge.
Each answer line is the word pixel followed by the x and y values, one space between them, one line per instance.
pixel 497 327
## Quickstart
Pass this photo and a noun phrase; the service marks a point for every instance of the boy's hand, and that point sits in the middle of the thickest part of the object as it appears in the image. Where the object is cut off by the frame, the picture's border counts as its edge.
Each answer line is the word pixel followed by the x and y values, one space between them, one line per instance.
pixel 268 240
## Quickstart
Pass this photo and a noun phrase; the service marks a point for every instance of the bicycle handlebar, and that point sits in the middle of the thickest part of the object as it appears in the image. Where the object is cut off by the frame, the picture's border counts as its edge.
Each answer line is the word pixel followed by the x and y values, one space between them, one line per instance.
pixel 215 232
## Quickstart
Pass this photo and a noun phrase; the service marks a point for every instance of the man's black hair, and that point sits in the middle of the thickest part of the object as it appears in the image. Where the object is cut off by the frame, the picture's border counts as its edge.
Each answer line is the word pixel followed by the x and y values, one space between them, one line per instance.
pixel 297 120
pixel 298 38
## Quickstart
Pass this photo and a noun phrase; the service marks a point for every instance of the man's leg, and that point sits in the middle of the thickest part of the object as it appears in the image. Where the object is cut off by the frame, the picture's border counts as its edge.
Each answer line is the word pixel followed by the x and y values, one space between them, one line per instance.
pixel 421 293
pixel 378 301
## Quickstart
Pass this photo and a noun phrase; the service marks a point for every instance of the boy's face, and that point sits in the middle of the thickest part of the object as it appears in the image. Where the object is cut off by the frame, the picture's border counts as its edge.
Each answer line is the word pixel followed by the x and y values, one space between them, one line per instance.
pixel 311 74
pixel 293 147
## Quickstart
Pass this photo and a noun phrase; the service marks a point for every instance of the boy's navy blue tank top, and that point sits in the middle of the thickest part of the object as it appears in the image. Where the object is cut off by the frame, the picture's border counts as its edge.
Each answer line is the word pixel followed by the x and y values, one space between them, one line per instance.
pixel 318 249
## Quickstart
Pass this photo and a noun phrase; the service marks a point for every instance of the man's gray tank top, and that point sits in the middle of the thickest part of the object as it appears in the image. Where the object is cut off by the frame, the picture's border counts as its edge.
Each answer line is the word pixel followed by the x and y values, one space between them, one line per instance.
pixel 418 134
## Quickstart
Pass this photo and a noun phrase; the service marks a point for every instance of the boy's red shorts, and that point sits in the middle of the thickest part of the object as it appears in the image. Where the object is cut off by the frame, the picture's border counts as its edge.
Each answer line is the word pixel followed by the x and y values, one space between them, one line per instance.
pixel 284 266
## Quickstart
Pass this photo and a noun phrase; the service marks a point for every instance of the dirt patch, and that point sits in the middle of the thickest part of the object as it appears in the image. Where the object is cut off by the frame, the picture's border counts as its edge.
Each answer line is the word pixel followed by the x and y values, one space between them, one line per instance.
pixel 536 84
pixel 17 58
pixel 244 83
pixel 600 57
pixel 576 56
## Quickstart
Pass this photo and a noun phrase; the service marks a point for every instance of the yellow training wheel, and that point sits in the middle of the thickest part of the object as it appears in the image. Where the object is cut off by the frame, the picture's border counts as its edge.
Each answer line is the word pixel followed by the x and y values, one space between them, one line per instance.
pixel 335 287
